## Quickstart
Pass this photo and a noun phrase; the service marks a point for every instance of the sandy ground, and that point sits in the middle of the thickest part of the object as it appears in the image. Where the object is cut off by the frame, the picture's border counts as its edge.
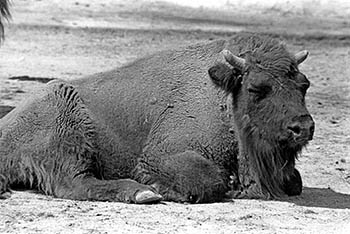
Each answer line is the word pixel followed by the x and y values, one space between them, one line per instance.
pixel 70 39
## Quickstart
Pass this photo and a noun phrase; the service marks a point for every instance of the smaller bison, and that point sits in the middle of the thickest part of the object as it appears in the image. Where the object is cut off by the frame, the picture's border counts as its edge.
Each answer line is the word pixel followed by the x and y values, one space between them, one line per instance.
pixel 188 125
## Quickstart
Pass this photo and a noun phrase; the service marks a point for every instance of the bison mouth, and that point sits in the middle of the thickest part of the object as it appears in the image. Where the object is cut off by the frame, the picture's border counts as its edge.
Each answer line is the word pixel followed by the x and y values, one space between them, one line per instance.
pixel 292 145
pixel 295 140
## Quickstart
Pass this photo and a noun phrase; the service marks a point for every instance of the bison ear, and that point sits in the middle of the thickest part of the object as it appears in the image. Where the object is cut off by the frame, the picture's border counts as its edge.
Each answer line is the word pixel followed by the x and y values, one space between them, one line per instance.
pixel 225 77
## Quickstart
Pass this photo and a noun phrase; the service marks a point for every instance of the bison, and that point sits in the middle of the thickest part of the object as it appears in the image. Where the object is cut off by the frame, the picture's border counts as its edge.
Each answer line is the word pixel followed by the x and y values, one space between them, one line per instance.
pixel 195 124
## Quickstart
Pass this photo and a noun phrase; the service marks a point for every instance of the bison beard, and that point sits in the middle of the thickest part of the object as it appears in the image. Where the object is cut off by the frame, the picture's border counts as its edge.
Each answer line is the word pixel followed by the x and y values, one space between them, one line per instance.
pixel 273 166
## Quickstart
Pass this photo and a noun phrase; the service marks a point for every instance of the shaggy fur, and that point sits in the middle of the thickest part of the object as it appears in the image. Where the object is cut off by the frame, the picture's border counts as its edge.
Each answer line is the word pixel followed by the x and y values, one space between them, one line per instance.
pixel 160 126
pixel 261 115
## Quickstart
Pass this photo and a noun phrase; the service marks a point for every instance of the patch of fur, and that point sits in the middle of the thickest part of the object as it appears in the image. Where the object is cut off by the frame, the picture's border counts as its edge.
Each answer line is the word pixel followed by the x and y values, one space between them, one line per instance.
pixel 184 177
pixel 51 142
pixel 272 164
pixel 265 52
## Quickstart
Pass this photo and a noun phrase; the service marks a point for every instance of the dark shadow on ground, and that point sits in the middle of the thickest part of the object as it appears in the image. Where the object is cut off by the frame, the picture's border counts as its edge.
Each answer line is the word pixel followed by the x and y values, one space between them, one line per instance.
pixel 5 109
pixel 29 78
pixel 321 197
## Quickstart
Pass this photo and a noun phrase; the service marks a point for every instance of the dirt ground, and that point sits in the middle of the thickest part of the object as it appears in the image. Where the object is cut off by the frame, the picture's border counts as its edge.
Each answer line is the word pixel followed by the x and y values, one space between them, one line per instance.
pixel 70 39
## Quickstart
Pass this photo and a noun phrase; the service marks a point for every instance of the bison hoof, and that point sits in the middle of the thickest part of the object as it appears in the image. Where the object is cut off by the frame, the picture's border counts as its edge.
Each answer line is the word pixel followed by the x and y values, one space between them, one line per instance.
pixel 146 197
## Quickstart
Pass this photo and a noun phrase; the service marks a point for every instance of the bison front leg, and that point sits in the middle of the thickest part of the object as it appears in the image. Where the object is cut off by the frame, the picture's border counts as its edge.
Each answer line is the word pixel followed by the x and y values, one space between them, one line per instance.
pixel 182 177
pixel 86 187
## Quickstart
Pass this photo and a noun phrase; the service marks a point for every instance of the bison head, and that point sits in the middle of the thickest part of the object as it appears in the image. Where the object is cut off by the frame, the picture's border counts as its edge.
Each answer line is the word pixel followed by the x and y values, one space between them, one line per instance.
pixel 270 117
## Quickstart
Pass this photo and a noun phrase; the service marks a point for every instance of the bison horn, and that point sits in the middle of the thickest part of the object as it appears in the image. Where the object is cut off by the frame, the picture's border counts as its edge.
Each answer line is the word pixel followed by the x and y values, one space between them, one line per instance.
pixel 234 60
pixel 301 56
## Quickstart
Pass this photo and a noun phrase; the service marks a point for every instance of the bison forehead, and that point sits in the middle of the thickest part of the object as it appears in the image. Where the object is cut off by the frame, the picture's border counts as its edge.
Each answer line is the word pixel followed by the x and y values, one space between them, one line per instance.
pixel 263 52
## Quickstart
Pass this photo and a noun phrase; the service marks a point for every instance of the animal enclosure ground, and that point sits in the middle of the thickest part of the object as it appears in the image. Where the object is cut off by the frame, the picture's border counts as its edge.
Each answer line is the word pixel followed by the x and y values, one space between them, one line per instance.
pixel 50 39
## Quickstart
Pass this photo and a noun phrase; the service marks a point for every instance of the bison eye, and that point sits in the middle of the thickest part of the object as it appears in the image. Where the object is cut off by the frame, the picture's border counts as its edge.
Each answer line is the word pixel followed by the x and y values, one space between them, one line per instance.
pixel 260 91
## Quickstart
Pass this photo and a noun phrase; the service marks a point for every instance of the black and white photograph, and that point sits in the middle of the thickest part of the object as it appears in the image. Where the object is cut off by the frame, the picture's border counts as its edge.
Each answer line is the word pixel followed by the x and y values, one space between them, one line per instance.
pixel 175 116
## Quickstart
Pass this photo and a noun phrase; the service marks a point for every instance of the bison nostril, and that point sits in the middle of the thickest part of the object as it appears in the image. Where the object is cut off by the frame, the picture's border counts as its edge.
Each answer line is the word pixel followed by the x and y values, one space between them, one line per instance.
pixel 303 129
pixel 296 130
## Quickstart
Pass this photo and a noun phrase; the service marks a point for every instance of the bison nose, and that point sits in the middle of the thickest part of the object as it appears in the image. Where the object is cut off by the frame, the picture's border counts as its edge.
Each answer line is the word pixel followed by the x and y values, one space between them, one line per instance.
pixel 302 128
